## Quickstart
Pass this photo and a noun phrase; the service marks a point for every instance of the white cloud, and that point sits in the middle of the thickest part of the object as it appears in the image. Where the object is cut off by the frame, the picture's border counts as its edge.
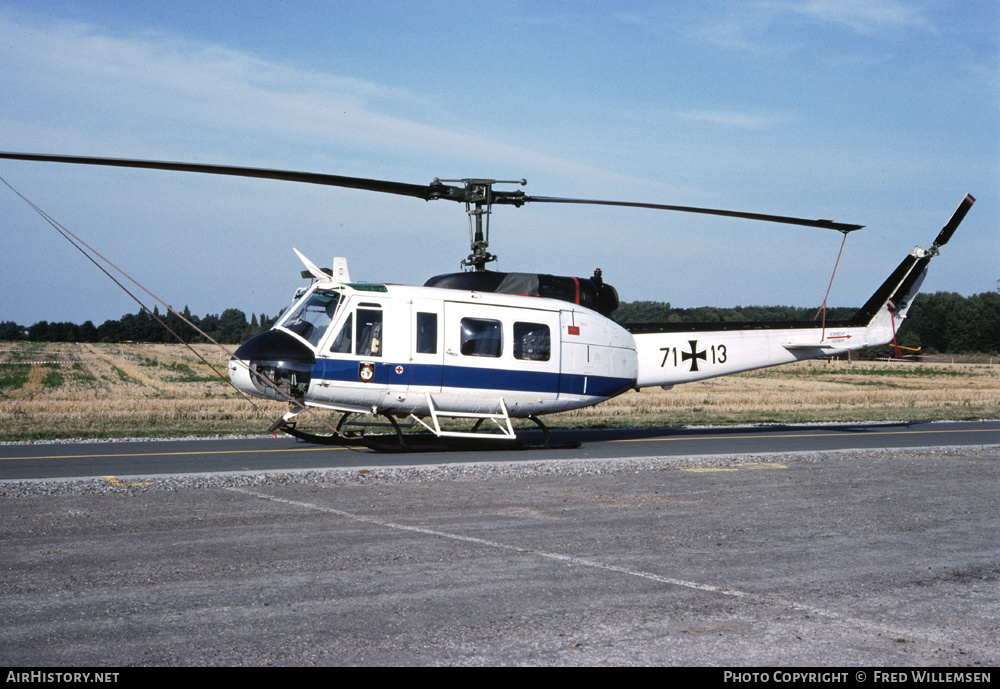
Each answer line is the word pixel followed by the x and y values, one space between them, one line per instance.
pixel 740 31
pixel 862 16
pixel 738 119
pixel 154 95
pixel 760 28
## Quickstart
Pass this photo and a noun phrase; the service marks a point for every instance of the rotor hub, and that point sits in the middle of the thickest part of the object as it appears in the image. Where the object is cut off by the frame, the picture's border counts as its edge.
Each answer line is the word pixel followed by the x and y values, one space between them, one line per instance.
pixel 479 200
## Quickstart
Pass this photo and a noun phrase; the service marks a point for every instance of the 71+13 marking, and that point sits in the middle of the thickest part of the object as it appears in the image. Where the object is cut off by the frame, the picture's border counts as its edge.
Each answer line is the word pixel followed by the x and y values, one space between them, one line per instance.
pixel 716 352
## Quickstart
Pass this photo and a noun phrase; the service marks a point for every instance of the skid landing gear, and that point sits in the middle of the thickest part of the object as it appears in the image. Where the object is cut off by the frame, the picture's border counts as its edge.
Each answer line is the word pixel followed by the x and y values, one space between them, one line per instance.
pixel 343 436
pixel 349 435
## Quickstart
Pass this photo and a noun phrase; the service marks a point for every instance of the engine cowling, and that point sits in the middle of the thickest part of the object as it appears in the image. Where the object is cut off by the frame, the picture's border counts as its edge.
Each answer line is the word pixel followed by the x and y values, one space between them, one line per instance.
pixel 590 292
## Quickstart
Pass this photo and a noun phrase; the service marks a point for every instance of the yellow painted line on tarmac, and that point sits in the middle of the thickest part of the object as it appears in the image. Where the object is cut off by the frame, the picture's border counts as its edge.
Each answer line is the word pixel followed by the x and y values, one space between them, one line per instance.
pixel 178 454
pixel 621 440
pixel 742 465
pixel 115 482
pixel 798 435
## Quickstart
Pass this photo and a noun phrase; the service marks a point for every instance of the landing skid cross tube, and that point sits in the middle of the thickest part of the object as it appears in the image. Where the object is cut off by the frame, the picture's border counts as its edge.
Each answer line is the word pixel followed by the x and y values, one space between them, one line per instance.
pixel 506 430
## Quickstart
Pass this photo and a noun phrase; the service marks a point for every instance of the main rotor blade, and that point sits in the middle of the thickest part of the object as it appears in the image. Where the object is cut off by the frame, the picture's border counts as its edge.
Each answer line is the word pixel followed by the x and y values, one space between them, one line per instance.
pixel 826 224
pixel 426 192
pixel 435 190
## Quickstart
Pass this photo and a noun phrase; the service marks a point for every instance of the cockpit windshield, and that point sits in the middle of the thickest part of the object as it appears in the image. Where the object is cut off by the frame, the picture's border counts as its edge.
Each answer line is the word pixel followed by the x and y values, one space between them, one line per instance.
pixel 312 315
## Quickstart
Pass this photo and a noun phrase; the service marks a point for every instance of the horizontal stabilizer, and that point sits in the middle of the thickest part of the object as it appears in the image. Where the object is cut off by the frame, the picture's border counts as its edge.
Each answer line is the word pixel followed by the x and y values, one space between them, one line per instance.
pixel 811 345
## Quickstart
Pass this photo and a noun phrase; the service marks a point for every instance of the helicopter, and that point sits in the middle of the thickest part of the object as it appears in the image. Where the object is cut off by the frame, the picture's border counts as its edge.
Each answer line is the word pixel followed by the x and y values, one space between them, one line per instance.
pixel 486 347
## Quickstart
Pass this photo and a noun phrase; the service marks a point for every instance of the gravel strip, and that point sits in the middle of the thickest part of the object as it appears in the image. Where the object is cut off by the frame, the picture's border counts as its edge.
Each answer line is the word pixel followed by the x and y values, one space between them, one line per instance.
pixel 477 471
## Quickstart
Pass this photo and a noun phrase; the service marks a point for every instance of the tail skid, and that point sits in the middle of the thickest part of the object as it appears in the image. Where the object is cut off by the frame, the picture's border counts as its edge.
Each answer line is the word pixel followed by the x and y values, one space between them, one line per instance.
pixel 673 353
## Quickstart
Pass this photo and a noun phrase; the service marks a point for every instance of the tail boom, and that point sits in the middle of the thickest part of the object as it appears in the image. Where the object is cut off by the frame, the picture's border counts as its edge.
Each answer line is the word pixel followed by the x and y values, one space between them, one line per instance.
pixel 671 358
pixel 674 353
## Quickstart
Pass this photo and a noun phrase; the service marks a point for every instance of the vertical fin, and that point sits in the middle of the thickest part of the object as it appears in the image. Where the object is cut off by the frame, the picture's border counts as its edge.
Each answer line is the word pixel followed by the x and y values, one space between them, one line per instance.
pixel 902 285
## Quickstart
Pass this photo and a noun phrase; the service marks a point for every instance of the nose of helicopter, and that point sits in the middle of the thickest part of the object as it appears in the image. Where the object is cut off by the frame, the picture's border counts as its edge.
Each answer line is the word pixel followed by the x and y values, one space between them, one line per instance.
pixel 274 365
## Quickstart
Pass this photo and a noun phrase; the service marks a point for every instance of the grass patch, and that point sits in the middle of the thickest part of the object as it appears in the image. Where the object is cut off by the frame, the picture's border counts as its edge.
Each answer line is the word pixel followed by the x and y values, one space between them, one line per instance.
pixel 124 377
pixel 13 377
pixel 82 376
pixel 183 373
pixel 53 377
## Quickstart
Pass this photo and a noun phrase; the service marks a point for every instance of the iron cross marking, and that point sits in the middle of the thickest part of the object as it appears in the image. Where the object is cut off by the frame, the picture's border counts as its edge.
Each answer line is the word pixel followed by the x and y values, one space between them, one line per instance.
pixel 693 355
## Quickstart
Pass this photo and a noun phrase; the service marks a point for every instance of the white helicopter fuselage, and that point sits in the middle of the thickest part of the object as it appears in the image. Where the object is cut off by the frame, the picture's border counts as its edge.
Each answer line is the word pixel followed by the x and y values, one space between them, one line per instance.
pixel 424 351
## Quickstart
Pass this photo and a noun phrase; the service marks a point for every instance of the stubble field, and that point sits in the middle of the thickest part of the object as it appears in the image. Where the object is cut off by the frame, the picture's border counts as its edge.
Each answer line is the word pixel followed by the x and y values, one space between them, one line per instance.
pixel 66 390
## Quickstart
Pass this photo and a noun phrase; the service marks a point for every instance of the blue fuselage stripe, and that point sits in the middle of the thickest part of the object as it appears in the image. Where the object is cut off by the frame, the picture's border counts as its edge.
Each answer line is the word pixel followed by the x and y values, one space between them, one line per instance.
pixel 436 375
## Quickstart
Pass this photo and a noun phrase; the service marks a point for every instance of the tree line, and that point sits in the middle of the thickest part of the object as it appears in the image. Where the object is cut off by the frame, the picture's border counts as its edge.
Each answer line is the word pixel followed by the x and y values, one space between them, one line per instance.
pixel 942 322
pixel 229 327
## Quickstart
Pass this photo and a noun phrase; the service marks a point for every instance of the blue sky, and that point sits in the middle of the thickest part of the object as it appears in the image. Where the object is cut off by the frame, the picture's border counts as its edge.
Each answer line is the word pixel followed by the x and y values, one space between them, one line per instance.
pixel 877 112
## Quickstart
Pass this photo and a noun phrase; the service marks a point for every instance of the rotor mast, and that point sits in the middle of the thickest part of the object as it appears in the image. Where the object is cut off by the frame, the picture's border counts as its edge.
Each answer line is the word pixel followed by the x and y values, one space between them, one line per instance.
pixel 479 206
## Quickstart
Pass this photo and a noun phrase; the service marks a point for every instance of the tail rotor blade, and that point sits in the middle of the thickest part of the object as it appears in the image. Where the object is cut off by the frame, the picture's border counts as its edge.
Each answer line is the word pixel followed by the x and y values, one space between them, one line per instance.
pixel 948 230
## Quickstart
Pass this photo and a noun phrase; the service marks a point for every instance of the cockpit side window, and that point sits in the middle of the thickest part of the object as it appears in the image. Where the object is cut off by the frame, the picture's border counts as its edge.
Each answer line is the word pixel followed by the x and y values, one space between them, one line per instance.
pixel 361 333
pixel 369 332
pixel 344 341
pixel 312 315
